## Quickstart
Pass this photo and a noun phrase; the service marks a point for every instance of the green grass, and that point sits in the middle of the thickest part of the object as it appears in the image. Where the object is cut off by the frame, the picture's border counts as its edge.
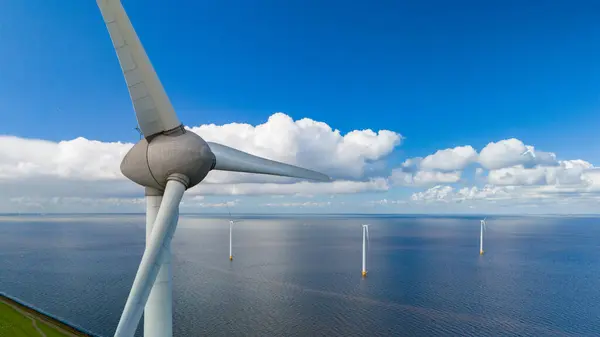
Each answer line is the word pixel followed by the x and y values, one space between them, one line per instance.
pixel 15 324
pixel 49 331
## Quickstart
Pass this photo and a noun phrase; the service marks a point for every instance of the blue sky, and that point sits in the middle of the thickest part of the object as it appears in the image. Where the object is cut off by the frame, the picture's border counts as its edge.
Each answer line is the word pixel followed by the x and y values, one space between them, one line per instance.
pixel 441 73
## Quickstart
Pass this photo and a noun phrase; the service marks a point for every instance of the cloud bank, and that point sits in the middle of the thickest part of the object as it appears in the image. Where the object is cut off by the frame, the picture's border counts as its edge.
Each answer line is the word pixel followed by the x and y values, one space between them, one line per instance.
pixel 40 174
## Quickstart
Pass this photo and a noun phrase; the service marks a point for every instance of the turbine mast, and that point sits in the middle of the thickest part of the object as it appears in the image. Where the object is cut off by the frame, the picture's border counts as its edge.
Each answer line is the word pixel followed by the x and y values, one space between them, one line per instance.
pixel 365 229
pixel 158 312
pixel 230 245
pixel 481 237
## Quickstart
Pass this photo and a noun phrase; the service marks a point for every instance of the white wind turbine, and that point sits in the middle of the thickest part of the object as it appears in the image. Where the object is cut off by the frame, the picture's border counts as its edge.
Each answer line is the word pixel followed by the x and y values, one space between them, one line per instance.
pixel 365 238
pixel 483 227
pixel 529 151
pixel 231 222
pixel 167 161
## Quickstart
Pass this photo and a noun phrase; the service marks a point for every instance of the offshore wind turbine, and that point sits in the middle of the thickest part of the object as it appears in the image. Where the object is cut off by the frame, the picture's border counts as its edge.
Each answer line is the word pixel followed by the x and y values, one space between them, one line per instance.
pixel 528 150
pixel 231 222
pixel 365 238
pixel 482 225
pixel 167 161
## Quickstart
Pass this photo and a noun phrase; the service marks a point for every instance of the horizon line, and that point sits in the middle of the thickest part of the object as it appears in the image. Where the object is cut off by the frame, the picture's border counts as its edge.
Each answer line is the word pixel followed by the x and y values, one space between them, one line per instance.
pixel 316 214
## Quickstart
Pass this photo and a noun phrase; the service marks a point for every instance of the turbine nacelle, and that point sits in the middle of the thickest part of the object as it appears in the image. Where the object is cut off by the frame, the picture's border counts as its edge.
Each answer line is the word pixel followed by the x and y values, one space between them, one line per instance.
pixel 150 162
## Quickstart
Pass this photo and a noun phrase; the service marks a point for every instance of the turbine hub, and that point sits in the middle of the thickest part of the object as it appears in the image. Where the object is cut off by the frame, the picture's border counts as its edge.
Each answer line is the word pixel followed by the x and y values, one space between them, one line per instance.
pixel 150 163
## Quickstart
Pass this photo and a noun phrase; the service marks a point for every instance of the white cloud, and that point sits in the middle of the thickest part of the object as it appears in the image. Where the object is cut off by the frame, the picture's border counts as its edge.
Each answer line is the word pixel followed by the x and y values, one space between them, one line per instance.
pixel 488 193
pixel 568 172
pixel 436 193
pixel 442 167
pixel 194 203
pixel 427 177
pixel 450 159
pixel 305 142
pixel 300 188
pixel 387 202
pixel 71 204
pixel 74 159
pixel 587 188
pixel 299 204
pixel 411 164
pixel 423 178
pixel 522 180
pixel 510 152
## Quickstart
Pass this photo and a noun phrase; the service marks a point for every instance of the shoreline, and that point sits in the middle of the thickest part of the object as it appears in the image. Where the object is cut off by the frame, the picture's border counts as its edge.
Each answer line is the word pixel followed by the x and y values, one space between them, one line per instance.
pixel 27 309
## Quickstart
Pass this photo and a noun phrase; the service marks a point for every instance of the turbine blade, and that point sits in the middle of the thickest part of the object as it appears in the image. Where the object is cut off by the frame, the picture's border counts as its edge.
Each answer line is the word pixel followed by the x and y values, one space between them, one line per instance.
pixel 162 233
pixel 153 109
pixel 230 159
pixel 228 211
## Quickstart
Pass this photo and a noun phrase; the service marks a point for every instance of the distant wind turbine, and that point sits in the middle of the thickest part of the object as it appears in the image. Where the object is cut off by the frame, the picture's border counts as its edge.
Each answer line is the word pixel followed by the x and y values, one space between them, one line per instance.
pixel 231 222
pixel 167 161
pixel 482 224
pixel 365 238
pixel 529 151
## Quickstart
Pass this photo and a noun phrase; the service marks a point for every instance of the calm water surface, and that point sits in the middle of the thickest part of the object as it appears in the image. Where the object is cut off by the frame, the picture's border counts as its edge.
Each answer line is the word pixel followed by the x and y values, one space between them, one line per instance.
pixel 301 276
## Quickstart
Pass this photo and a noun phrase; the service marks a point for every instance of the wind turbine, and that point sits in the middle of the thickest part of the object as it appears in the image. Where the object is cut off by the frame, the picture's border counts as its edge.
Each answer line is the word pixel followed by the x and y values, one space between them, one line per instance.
pixel 231 222
pixel 166 162
pixel 528 150
pixel 482 224
pixel 365 238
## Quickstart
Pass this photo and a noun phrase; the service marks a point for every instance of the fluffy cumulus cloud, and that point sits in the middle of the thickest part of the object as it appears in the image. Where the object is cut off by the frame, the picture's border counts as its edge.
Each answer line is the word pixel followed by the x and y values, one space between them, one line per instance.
pixel 80 159
pixel 503 172
pixel 511 152
pixel 540 185
pixel 299 204
pixel 304 142
pixel 568 172
pixel 88 169
pixel 442 167
pixel 450 159
pixel 423 178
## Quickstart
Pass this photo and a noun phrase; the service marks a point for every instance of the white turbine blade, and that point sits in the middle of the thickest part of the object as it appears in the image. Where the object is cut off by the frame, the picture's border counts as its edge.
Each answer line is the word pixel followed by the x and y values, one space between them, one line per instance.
pixel 162 233
pixel 153 109
pixel 230 159
pixel 228 211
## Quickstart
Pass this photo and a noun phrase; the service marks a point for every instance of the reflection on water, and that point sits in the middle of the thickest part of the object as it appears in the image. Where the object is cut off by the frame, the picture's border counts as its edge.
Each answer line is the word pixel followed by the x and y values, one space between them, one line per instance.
pixel 300 277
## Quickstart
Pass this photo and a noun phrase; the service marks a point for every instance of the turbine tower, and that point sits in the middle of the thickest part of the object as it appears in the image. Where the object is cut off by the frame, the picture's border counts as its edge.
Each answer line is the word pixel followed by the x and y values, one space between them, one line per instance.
pixel 365 238
pixel 482 225
pixel 231 222
pixel 167 161
pixel 230 240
